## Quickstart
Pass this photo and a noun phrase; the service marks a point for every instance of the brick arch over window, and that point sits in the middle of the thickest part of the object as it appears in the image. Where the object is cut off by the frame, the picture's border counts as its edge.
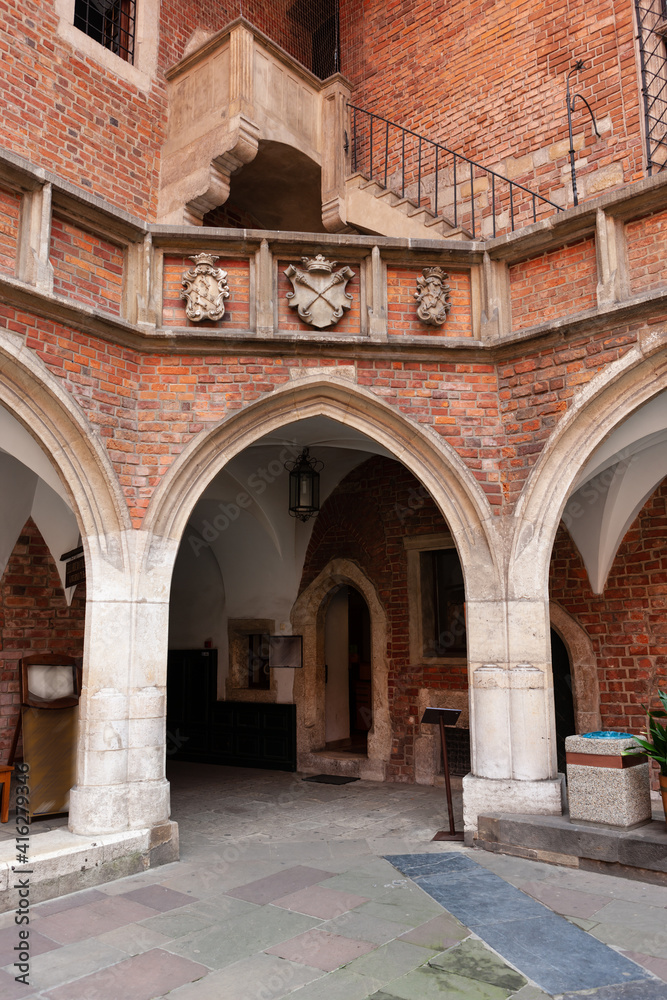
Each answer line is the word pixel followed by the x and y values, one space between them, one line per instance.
pixel 603 404
pixel 431 460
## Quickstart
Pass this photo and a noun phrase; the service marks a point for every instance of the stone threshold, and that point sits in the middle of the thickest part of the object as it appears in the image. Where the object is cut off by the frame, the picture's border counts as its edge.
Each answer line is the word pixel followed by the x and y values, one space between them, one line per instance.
pixel 638 852
pixel 60 862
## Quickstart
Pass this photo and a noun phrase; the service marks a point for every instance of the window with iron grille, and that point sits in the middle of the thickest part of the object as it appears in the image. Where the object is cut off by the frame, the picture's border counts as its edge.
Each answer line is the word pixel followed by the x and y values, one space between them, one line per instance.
pixel 652 35
pixel 109 22
pixel 314 39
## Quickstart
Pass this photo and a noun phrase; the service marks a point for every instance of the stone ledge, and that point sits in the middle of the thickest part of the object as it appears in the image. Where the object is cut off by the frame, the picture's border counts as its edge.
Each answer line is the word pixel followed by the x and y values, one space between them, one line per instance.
pixel 61 862
pixel 636 852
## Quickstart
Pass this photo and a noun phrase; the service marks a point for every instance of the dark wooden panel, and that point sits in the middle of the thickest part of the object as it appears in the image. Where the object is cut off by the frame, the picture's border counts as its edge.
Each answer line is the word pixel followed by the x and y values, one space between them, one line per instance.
pixel 240 734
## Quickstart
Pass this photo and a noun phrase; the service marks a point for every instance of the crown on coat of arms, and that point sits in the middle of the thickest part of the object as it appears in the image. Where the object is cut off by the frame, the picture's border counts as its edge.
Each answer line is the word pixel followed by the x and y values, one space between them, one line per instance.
pixel 319 263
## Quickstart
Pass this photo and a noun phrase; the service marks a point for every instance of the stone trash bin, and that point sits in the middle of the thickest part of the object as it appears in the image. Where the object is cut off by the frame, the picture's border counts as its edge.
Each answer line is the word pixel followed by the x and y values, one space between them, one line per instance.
pixel 603 786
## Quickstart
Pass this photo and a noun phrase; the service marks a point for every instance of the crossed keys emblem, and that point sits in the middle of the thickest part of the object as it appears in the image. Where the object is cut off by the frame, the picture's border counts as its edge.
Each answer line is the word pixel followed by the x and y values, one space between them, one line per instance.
pixel 319 295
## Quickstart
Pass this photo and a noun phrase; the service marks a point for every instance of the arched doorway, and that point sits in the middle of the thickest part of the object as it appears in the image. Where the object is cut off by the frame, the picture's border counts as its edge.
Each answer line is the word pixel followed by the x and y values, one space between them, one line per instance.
pixel 348 672
pixel 563 696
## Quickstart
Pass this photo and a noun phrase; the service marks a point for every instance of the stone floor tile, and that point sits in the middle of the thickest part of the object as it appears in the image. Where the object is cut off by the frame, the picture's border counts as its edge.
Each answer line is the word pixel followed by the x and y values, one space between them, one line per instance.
pixel 583 922
pixel 261 976
pixel 473 960
pixel 632 939
pixel 159 897
pixel 391 961
pixel 628 991
pixel 446 862
pixel 152 876
pixel 340 985
pixel 365 927
pixel 133 939
pixel 142 977
pixel 365 884
pixel 408 907
pixel 9 939
pixel 514 869
pixel 530 993
pixel 556 955
pixel 72 962
pixel 638 916
pixel 221 907
pixel 11 990
pixel 176 924
pixel 658 966
pixel 265 890
pixel 434 984
pixel 321 950
pixel 438 934
pixel 611 886
pixel 566 901
pixel 318 901
pixel 94 918
pixel 232 940
pixel 69 902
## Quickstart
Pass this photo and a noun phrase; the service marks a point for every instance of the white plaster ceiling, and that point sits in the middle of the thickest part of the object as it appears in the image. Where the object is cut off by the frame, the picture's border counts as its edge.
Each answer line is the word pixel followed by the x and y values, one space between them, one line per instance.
pixel 30 487
pixel 614 485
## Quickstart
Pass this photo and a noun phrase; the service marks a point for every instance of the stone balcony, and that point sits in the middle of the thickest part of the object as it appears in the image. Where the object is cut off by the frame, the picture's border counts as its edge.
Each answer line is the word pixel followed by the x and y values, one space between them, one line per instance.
pixel 76 260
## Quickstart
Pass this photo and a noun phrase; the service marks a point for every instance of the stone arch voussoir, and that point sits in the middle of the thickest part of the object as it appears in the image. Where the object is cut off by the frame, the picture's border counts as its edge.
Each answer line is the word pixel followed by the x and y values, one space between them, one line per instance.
pixel 434 463
pixel 606 401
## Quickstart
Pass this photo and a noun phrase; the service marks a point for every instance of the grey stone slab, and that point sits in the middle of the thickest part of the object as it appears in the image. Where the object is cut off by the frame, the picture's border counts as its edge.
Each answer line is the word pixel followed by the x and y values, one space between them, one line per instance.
pixel 340 985
pixel 635 915
pixel 557 956
pixel 480 897
pixel 427 983
pixel 365 927
pixel 628 991
pixel 233 940
pixel 69 902
pixel 133 939
pixel 529 993
pixel 176 925
pixel 439 933
pixel 220 907
pixel 402 908
pixel 365 884
pixel 632 939
pixel 473 960
pixel 390 961
pixel 413 865
pixel 72 962
pixel 261 976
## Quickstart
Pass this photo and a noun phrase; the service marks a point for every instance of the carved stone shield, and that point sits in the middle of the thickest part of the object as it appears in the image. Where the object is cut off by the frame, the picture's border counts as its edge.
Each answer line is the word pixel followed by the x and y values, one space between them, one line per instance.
pixel 319 294
pixel 205 289
pixel 432 296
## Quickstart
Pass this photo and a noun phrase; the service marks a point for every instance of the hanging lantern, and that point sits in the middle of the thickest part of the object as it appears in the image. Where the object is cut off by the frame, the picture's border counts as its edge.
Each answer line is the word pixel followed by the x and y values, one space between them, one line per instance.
pixel 304 486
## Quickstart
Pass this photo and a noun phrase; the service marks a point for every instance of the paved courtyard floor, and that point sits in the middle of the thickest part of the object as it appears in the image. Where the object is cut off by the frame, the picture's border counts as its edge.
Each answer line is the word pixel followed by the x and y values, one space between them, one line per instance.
pixel 321 892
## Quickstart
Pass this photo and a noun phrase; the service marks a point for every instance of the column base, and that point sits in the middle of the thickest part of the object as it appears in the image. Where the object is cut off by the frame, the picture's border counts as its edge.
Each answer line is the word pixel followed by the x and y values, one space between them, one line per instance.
pixel 509 795
pixel 106 809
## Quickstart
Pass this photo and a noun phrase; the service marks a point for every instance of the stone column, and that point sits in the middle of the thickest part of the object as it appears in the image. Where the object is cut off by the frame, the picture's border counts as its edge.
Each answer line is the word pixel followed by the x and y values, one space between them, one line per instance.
pixel 335 98
pixel 121 782
pixel 511 720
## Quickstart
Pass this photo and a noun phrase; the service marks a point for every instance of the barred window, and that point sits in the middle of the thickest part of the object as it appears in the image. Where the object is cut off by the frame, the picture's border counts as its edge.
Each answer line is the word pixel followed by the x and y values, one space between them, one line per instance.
pixel 109 22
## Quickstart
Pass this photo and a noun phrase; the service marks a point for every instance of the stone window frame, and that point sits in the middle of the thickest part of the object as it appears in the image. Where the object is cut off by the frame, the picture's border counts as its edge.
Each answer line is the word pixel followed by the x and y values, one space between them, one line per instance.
pixel 143 71
pixel 414 545
pixel 236 687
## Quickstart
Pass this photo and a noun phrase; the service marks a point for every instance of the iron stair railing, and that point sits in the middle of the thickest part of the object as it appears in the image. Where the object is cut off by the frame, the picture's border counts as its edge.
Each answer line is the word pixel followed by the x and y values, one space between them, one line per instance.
pixel 420 169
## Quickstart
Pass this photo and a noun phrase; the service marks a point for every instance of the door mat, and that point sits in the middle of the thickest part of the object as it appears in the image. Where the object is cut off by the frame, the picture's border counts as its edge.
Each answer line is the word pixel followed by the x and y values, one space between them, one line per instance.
pixel 330 779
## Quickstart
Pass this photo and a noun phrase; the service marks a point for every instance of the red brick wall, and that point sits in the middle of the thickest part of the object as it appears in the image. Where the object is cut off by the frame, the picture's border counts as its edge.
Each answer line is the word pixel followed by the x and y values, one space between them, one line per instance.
pixel 535 390
pixel 365 519
pixel 86 267
pixel 627 623
pixel 554 284
pixel 34 617
pixel 646 248
pixel 65 112
pixel 10 205
pixel 488 80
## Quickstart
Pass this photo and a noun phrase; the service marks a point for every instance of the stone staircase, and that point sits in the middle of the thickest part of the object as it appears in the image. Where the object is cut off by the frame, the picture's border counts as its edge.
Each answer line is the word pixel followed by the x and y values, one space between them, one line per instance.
pixel 373 208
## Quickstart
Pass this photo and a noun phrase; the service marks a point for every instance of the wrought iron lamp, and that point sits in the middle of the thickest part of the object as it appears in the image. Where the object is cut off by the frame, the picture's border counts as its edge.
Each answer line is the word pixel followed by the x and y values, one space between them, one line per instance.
pixel 304 486
pixel 570 108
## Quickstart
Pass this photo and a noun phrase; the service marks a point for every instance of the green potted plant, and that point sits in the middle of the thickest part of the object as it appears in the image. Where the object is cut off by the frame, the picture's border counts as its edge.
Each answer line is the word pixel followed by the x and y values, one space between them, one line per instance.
pixel 653 743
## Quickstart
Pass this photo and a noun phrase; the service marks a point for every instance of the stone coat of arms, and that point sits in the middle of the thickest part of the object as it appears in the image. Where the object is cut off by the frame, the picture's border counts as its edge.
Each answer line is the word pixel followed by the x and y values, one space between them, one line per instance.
pixel 205 289
pixel 432 296
pixel 319 294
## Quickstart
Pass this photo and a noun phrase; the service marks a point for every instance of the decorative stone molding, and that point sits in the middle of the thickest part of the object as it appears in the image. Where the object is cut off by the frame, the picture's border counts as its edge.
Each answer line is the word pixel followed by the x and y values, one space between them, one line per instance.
pixel 319 294
pixel 432 296
pixel 205 289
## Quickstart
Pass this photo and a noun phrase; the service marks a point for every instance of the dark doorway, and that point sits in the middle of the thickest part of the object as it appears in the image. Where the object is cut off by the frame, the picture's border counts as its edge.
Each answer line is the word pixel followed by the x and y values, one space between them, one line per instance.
pixel 240 734
pixel 563 703
pixel 349 699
